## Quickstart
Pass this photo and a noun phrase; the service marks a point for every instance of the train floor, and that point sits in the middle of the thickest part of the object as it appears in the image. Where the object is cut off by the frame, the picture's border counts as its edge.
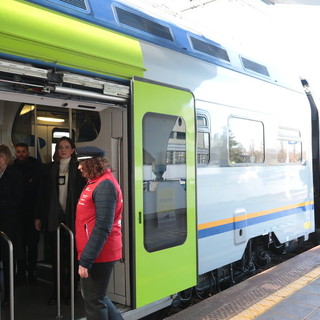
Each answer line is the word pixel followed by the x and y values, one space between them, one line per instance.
pixel 288 291
pixel 31 303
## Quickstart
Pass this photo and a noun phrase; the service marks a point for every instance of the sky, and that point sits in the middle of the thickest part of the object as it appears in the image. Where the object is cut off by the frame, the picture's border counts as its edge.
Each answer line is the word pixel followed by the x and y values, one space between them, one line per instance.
pixel 301 28
pixel 285 33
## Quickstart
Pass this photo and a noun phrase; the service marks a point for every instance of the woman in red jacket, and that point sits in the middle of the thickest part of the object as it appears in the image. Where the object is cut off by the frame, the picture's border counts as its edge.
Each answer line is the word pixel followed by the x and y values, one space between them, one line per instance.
pixel 98 237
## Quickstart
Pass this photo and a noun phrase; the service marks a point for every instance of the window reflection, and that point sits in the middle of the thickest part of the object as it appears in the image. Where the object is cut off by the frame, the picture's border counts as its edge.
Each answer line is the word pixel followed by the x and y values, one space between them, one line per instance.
pixel 289 146
pixel 203 142
pixel 164 169
pixel 246 141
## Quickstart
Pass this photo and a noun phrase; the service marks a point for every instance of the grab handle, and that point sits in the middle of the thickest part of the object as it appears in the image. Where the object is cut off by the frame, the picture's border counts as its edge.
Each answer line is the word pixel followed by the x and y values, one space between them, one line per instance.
pixel 59 316
pixel 11 279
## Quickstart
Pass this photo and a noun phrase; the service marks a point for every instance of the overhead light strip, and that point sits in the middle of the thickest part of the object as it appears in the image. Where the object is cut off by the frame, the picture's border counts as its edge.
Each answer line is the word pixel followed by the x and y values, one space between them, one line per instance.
pixel 49 119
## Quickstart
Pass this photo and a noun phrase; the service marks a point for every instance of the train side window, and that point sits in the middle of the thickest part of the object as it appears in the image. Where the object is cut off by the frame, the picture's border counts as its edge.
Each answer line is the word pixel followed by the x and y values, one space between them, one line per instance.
pixel 203 140
pixel 289 149
pixel 164 177
pixel 246 141
pixel 58 133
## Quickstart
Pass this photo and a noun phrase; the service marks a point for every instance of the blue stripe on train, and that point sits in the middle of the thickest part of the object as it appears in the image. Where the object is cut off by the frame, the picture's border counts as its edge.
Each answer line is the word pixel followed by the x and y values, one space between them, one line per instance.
pixel 252 221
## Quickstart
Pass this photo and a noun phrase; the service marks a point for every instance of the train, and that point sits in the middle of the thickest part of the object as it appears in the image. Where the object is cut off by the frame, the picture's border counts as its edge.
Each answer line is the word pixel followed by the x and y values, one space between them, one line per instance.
pixel 217 152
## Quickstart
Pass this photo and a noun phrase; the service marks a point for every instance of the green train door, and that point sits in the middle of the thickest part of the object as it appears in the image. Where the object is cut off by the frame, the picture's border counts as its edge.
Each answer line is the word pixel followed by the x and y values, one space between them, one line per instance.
pixel 163 140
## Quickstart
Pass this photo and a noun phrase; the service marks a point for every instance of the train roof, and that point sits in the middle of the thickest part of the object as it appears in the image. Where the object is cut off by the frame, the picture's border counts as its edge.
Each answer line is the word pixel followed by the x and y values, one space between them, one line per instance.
pixel 125 19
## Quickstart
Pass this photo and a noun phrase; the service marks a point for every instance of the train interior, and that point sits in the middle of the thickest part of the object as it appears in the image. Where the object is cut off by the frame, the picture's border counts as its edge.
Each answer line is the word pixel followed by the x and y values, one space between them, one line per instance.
pixel 98 130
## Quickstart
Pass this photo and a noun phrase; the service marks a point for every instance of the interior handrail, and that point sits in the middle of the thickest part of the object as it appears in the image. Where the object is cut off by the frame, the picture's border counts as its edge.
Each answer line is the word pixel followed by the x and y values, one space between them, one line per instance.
pixel 59 315
pixel 11 274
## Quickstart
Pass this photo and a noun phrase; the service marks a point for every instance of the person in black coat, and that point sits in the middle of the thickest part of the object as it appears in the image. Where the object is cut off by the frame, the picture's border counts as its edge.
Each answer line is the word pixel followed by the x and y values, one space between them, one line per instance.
pixel 29 168
pixel 11 196
pixel 61 184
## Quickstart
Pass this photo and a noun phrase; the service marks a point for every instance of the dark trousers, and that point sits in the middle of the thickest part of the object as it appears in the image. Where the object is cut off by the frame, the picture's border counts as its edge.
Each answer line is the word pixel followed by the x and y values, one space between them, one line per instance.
pixel 30 240
pixel 98 306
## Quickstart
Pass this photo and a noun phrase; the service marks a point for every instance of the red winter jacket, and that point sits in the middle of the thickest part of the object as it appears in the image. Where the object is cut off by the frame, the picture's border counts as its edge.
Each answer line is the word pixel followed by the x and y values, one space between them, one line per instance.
pixel 98 221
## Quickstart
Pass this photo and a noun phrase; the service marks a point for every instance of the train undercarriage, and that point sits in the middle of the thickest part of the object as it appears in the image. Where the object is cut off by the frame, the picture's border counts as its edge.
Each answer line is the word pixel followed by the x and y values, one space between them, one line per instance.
pixel 260 254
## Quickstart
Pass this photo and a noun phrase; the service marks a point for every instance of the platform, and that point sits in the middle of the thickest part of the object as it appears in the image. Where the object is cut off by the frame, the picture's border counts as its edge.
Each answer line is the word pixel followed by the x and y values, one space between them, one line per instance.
pixel 290 290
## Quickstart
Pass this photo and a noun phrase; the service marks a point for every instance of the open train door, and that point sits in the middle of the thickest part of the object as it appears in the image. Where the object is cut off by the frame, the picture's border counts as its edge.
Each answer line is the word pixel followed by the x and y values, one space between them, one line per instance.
pixel 164 209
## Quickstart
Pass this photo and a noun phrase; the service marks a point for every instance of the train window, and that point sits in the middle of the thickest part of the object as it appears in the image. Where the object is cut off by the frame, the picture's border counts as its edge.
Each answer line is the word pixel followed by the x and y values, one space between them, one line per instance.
pixel 203 140
pixel 246 141
pixel 289 151
pixel 202 121
pixel 289 146
pixel 58 133
pixel 289 133
pixel 176 152
pixel 164 176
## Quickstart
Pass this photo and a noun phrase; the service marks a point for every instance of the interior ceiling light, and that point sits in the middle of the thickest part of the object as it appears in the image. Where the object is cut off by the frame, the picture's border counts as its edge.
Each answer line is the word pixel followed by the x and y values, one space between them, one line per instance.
pixel 27 108
pixel 48 119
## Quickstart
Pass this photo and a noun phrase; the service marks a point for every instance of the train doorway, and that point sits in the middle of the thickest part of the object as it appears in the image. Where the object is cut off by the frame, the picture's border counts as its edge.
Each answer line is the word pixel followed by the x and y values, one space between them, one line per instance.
pixel 104 121
pixel 98 129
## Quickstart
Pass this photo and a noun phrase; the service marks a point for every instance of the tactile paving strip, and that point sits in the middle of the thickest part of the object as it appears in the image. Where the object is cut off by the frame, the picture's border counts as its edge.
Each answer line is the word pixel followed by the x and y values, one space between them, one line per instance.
pixel 255 301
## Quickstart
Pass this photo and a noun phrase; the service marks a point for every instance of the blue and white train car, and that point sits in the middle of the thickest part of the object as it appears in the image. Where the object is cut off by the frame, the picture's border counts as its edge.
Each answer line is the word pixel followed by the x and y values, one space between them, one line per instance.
pixel 212 147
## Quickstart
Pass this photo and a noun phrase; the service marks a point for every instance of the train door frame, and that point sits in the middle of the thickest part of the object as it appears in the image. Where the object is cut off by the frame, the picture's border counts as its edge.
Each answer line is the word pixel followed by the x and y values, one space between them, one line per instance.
pixel 315 154
pixel 172 269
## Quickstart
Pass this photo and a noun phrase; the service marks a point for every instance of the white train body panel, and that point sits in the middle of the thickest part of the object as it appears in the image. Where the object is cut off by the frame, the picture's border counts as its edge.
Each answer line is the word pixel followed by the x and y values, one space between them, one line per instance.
pixel 226 193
